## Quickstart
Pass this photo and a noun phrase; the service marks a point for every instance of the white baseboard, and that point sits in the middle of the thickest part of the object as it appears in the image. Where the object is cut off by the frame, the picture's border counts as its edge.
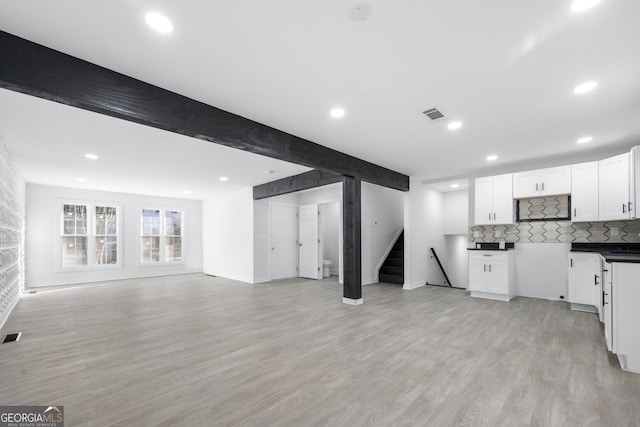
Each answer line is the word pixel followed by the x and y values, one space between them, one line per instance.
pixel 351 301
pixel 410 286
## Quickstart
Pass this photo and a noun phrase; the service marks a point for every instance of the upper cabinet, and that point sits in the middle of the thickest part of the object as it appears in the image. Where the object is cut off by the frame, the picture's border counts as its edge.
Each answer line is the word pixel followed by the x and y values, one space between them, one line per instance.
pixel 494 200
pixel 614 188
pixel 542 182
pixel 584 192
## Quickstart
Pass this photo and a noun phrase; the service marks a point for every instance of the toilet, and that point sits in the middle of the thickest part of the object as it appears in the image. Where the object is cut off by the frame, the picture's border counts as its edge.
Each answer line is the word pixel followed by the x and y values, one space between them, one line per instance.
pixel 326 267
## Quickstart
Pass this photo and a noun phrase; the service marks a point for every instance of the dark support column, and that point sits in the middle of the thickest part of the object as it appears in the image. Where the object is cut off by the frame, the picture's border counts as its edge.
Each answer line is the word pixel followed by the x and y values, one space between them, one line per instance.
pixel 352 233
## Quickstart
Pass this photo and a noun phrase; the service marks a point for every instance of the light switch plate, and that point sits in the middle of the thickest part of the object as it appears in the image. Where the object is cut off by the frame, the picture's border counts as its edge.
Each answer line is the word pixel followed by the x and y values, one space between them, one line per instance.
pixel 614 231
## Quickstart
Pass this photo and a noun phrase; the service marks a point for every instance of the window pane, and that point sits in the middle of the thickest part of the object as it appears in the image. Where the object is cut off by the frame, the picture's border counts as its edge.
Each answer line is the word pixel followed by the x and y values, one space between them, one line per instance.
pixel 173 223
pixel 150 249
pixel 74 251
pixel 173 249
pixel 106 250
pixel 69 226
pixel 150 222
pixel 106 220
pixel 75 220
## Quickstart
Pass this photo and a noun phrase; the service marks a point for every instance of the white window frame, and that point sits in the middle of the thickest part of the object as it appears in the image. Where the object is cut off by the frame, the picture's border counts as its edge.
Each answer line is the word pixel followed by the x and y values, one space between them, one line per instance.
pixel 91 236
pixel 163 238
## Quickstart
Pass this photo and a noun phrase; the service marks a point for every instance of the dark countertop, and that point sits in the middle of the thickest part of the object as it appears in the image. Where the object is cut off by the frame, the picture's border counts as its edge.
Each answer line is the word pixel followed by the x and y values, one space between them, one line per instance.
pixel 612 252
pixel 492 246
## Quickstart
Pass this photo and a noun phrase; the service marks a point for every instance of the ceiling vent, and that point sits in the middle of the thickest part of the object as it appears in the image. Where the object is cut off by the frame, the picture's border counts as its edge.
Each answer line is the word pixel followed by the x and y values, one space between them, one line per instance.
pixel 433 114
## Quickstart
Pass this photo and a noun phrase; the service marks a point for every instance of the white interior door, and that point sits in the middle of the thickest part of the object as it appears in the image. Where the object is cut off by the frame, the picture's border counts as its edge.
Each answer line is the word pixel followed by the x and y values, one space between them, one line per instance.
pixel 284 236
pixel 308 236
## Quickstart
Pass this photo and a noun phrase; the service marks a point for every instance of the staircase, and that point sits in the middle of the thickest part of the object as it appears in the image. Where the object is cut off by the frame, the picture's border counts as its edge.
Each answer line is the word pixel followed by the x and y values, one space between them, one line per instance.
pixel 392 270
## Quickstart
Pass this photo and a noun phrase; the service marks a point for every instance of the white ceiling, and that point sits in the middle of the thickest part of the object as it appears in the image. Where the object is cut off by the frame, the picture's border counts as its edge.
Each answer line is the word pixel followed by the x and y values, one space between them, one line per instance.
pixel 506 69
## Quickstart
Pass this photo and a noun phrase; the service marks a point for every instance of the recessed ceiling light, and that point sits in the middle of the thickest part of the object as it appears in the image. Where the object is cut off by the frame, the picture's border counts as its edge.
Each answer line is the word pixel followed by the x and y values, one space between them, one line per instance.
pixel 337 113
pixel 159 22
pixel 454 125
pixel 580 5
pixel 224 178
pixel 585 87
pixel 455 185
pixel 584 140
pixel 91 156
pixel 492 157
pixel 81 180
pixel 187 192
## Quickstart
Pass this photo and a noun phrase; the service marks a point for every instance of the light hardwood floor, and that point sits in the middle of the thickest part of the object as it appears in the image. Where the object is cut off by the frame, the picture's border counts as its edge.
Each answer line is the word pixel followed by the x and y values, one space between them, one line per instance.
pixel 197 350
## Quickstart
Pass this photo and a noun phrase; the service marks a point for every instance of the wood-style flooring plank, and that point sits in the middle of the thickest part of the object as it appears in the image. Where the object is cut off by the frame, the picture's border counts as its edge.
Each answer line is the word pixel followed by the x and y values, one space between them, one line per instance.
pixel 200 350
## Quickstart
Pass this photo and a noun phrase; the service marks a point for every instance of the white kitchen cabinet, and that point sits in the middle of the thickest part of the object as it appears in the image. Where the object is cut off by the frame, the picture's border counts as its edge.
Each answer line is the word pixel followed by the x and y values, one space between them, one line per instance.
pixel 625 314
pixel 542 182
pixel 494 200
pixel 491 274
pixel 584 192
pixel 614 188
pixel 607 317
pixel 634 182
pixel 585 282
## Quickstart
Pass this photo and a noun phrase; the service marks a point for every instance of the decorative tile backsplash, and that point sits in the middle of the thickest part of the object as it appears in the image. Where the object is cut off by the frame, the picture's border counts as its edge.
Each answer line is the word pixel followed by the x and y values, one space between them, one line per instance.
pixel 558 232
pixel 539 208
pixel 555 230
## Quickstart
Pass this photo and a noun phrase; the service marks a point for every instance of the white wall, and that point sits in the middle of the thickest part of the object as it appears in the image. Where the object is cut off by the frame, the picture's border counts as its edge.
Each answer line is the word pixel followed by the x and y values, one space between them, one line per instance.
pixel 456 259
pixel 456 208
pixel 424 225
pixel 43 238
pixel 542 270
pixel 12 240
pixel 228 245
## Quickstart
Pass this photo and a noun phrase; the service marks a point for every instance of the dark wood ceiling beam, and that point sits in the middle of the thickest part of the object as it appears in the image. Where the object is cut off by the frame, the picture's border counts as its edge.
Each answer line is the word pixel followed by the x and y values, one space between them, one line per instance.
pixel 37 70
pixel 291 184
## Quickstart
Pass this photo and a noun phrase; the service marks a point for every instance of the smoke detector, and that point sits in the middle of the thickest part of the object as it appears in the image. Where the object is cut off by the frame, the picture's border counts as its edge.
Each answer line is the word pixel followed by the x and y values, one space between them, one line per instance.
pixel 361 12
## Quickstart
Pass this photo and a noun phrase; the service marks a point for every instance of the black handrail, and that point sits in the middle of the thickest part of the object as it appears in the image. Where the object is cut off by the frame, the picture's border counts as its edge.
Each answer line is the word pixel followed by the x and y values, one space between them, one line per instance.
pixel 444 273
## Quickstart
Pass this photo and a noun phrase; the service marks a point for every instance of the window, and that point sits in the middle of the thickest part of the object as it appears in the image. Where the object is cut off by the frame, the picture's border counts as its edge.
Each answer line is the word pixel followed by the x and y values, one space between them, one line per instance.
pixel 106 232
pixel 74 235
pixel 89 235
pixel 173 232
pixel 161 236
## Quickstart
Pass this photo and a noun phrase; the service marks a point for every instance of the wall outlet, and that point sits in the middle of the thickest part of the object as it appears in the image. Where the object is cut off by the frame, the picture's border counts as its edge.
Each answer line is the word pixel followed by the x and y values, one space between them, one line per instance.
pixel 476 233
pixel 497 233
pixel 614 231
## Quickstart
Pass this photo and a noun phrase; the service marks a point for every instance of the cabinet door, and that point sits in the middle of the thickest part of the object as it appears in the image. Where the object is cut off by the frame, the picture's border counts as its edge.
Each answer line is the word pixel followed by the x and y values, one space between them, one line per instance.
pixel 555 181
pixel 614 188
pixel 584 280
pixel 503 199
pixel 584 192
pixel 477 273
pixel 484 201
pixel 525 184
pixel 607 298
pixel 498 277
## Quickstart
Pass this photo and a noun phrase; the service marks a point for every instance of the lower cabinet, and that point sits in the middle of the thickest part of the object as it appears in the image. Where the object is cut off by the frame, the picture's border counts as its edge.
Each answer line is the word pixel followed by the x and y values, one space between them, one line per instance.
pixel 625 316
pixel 585 281
pixel 491 274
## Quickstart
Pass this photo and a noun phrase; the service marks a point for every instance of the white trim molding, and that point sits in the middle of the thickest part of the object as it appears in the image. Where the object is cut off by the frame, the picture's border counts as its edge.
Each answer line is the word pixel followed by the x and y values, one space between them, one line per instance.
pixel 352 301
pixel 410 286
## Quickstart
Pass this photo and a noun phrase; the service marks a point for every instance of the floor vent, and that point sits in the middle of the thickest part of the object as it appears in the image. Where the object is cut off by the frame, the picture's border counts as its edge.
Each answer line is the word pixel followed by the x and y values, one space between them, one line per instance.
pixel 12 337
pixel 433 113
